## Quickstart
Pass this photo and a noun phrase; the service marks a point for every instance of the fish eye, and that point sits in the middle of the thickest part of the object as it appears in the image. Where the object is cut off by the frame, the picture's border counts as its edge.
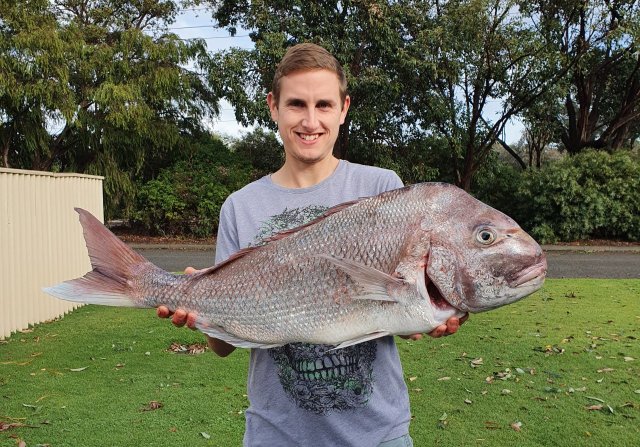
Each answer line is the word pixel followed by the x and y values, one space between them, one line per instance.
pixel 485 236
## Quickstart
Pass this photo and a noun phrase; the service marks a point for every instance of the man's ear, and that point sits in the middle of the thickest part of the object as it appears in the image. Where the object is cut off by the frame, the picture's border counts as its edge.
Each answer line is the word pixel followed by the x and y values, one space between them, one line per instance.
pixel 345 108
pixel 273 107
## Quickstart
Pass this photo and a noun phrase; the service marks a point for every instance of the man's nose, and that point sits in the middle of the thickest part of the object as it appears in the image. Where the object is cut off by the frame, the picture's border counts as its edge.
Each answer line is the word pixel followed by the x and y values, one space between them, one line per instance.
pixel 310 119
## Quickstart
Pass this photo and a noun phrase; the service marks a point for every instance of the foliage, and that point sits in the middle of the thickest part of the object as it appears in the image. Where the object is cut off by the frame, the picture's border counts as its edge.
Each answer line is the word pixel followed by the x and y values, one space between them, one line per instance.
pixel 420 70
pixel 97 87
pixel 591 195
pixel 262 150
pixel 185 198
pixel 496 184
pixel 598 102
pixel 90 378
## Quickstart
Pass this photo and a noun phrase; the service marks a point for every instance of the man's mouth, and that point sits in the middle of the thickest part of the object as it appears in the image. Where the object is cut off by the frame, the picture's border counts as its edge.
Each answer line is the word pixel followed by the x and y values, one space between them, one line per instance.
pixel 309 136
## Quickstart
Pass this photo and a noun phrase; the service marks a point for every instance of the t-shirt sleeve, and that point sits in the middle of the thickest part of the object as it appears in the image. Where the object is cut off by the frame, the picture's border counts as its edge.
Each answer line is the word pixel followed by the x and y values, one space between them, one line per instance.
pixel 394 182
pixel 227 240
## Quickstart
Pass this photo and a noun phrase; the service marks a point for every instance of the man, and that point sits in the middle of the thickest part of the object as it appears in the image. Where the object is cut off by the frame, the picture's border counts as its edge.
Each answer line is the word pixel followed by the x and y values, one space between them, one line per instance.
pixel 302 394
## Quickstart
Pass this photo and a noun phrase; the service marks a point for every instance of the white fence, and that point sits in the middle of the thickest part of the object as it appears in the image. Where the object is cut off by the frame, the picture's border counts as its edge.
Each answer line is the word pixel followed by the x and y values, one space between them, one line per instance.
pixel 41 241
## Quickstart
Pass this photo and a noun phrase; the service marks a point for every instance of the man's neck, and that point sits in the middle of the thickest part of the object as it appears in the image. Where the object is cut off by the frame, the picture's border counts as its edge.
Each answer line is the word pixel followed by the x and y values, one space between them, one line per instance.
pixel 296 174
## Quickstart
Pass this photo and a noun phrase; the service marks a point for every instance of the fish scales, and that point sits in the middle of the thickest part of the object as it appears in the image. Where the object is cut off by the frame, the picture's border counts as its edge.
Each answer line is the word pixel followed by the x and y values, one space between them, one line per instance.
pixel 398 263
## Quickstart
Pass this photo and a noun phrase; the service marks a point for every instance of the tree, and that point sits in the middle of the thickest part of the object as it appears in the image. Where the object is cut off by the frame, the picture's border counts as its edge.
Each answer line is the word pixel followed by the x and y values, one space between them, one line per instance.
pixel 488 72
pixel 367 37
pixel 34 80
pixel 416 69
pixel 601 96
pixel 128 93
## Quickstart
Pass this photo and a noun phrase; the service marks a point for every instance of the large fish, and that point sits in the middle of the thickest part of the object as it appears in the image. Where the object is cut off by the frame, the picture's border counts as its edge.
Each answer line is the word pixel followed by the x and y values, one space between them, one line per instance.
pixel 402 262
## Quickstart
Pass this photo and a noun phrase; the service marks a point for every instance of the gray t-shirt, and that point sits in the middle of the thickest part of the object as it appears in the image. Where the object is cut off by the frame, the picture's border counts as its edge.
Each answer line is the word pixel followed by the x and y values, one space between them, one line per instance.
pixel 300 394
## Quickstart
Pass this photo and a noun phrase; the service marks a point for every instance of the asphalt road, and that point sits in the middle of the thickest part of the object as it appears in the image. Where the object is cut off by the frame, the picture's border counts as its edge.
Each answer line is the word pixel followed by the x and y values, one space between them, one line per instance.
pixel 563 263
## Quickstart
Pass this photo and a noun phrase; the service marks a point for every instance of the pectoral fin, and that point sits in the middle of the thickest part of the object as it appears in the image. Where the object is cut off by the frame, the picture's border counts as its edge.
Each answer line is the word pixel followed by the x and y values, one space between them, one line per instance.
pixel 375 284
pixel 221 334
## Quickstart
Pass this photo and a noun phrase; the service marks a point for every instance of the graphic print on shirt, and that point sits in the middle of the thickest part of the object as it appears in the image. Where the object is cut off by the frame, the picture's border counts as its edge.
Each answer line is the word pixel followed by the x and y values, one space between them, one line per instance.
pixel 314 377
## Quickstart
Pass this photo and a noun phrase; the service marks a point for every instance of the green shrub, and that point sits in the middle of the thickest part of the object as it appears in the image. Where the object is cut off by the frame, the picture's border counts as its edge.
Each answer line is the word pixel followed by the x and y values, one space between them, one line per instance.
pixel 185 199
pixel 590 195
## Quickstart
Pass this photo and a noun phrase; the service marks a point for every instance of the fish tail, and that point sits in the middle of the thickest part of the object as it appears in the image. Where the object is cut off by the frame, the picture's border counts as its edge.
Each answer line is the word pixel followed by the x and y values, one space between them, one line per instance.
pixel 113 262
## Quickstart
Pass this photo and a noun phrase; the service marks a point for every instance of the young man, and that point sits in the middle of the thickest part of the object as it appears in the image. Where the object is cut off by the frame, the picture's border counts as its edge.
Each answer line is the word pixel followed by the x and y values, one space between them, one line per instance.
pixel 302 394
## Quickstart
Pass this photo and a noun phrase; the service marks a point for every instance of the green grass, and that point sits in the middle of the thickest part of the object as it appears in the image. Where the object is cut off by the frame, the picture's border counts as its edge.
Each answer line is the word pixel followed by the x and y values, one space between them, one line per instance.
pixel 545 361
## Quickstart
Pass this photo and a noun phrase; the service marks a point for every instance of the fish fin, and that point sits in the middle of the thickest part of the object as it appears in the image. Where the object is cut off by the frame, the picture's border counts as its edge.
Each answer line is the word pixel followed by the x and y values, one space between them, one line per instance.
pixel 219 333
pixel 277 236
pixel 333 210
pixel 113 263
pixel 363 338
pixel 375 283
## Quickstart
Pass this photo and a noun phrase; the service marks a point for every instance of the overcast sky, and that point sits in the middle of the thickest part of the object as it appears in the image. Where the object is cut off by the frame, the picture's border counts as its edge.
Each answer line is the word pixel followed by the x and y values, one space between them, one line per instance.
pixel 197 23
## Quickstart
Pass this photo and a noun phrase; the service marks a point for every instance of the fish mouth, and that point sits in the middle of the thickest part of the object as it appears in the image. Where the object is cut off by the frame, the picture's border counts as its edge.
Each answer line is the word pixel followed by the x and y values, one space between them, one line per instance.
pixel 530 275
pixel 437 299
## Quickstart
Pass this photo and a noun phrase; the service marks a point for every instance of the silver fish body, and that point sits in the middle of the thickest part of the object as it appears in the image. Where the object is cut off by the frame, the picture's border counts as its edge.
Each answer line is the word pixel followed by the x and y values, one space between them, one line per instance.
pixel 402 262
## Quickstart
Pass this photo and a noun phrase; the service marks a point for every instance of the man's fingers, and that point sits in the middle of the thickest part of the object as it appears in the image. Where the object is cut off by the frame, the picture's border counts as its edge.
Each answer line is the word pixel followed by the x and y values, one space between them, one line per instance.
pixel 452 326
pixel 439 331
pixel 179 318
pixel 191 320
pixel 163 312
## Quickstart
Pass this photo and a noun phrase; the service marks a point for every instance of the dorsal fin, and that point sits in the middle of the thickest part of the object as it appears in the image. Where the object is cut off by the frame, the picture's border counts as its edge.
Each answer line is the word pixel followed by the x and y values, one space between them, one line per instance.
pixel 279 235
pixel 327 213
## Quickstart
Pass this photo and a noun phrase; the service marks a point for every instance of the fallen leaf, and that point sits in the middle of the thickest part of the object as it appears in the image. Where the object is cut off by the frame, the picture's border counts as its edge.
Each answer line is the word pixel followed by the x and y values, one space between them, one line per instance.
pixel 468 402
pixel 637 391
pixel 517 426
pixel 476 362
pixel 605 370
pixel 629 359
pixel 194 348
pixel 411 379
pixel 506 391
pixel 78 369
pixel 442 422
pixel 491 425
pixel 205 435
pixel 594 407
pixel 444 378
pixel 153 405
pixel 4 426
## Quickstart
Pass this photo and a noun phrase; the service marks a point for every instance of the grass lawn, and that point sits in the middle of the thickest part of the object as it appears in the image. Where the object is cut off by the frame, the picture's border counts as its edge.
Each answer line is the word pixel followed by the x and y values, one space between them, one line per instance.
pixel 561 368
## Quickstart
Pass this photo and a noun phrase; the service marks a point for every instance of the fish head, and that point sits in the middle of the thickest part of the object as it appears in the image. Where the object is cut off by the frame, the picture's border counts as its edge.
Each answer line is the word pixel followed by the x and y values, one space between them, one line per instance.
pixel 479 258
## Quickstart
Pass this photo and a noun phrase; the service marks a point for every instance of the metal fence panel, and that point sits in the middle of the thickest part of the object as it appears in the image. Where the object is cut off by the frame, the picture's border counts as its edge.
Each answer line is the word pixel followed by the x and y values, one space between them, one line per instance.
pixel 41 241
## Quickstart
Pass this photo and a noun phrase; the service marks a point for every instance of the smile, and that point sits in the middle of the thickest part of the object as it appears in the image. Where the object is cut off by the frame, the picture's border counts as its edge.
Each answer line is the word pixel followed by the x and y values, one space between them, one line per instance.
pixel 309 137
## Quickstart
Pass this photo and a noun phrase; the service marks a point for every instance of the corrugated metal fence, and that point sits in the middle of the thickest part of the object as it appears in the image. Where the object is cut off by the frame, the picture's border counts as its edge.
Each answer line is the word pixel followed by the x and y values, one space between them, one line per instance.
pixel 41 241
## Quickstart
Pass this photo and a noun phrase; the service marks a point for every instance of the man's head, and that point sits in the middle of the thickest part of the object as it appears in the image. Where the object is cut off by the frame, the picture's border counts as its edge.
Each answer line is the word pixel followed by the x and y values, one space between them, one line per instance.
pixel 307 57
pixel 309 103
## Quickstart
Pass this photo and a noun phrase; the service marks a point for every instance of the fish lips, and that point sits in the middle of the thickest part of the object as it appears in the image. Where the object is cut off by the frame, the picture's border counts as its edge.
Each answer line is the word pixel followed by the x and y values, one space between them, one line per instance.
pixel 533 275
pixel 525 282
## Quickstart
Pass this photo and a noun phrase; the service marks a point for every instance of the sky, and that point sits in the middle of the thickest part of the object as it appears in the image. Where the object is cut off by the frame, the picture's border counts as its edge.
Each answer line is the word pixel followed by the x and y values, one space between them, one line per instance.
pixel 197 23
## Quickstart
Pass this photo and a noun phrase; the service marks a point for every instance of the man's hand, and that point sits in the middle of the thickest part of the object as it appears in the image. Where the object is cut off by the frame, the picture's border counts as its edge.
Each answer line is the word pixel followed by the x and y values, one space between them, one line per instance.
pixel 450 327
pixel 181 318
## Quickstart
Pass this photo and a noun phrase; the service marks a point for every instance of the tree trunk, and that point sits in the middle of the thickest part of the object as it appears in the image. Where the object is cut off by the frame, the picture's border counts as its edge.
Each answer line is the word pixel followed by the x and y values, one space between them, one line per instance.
pixel 5 153
pixel 341 146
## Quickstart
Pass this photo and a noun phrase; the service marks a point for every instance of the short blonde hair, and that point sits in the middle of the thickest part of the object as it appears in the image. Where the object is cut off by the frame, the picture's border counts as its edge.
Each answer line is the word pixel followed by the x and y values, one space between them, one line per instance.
pixel 308 56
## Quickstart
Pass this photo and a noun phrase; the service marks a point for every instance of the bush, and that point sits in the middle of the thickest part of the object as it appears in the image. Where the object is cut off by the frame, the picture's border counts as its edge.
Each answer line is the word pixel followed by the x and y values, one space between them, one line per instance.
pixel 185 199
pixel 590 195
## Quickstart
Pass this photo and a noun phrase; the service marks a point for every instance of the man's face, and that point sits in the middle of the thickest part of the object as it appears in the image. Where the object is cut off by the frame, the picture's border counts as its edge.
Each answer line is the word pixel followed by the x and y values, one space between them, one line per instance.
pixel 309 114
